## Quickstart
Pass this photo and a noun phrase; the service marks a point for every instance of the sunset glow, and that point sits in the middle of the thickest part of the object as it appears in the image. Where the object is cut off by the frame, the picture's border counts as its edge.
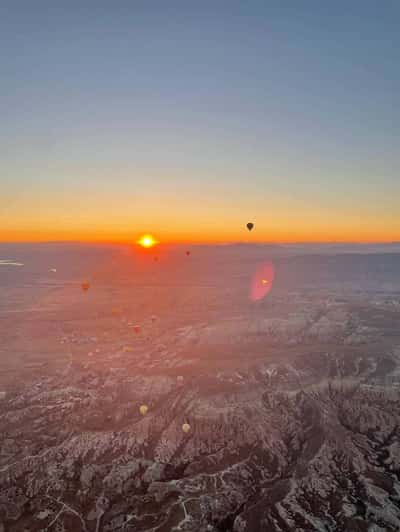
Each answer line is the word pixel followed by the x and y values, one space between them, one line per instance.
pixel 147 241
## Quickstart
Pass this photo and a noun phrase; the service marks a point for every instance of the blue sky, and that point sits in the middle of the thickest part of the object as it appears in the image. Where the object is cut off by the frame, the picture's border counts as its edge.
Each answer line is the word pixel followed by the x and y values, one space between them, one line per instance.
pixel 200 115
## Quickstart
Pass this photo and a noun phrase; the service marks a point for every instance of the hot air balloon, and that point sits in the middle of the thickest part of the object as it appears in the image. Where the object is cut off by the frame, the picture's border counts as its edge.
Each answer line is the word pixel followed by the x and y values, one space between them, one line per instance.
pixel 179 378
pixel 143 409
pixel 136 329
pixel 85 286
pixel 153 318
pixel 186 427
pixel 250 226
pixel 127 349
pixel 187 253
pixel 53 270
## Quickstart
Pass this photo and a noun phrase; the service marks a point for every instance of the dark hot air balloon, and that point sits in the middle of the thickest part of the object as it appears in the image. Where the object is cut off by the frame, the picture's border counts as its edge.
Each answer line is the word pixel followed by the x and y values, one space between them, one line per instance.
pixel 187 253
pixel 250 226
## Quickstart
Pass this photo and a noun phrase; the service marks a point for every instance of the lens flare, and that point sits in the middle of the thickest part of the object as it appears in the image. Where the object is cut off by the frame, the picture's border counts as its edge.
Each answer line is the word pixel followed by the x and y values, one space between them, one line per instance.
pixel 262 281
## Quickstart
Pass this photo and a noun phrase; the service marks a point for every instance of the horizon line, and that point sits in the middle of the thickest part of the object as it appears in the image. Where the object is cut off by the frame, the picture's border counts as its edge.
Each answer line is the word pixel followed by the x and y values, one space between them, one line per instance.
pixel 212 243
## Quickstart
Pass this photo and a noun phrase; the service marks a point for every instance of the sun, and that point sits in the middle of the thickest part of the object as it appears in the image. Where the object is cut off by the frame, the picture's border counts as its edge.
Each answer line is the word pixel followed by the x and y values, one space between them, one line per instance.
pixel 147 241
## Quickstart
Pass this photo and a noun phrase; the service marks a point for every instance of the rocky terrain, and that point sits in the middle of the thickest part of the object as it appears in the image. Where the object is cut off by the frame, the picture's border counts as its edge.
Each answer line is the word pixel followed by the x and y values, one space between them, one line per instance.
pixel 280 417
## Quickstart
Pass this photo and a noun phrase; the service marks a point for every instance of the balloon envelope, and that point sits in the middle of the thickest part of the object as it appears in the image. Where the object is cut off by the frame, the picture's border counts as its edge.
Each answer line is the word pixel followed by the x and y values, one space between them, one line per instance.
pixel 250 226
pixel 127 349
pixel 85 286
pixel 136 329
pixel 143 409
pixel 186 427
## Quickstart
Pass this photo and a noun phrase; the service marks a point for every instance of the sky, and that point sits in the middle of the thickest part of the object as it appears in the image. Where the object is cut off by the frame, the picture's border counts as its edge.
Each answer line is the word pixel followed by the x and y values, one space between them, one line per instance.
pixel 189 119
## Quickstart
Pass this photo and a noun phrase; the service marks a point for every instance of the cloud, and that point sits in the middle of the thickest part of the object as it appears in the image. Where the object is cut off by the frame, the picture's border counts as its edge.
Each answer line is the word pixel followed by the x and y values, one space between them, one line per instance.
pixel 5 262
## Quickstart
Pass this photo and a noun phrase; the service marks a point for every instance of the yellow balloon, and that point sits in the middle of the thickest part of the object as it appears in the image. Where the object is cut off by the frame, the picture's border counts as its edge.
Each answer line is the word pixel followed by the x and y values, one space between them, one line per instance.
pixel 143 409
pixel 186 427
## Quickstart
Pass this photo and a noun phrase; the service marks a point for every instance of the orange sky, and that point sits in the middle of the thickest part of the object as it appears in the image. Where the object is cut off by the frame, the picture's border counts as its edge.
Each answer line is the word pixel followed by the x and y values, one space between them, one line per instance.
pixel 104 206
pixel 221 236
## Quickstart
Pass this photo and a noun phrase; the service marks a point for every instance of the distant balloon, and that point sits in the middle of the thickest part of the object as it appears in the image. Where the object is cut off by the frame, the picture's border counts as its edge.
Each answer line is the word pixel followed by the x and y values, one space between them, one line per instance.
pixel 53 270
pixel 127 349
pixel 85 286
pixel 143 409
pixel 250 226
pixel 155 259
pixel 153 318
pixel 136 329
pixel 187 253
pixel 179 378
pixel 186 427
